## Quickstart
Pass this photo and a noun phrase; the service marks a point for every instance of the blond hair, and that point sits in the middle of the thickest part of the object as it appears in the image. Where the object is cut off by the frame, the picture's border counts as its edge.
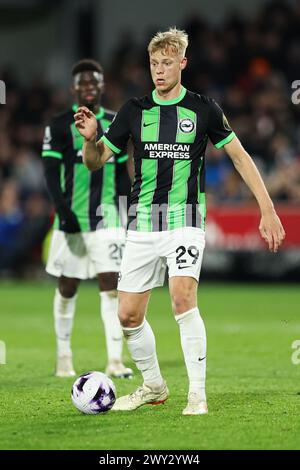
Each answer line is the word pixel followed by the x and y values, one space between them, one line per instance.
pixel 174 39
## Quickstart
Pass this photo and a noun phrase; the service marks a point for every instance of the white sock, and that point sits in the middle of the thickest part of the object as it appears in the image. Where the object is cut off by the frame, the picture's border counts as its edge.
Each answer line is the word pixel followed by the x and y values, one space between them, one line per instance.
pixel 141 345
pixel 193 343
pixel 64 310
pixel 112 326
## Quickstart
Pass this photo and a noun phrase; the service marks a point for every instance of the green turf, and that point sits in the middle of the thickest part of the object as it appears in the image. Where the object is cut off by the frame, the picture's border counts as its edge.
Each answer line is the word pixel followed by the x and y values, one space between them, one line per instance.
pixel 253 388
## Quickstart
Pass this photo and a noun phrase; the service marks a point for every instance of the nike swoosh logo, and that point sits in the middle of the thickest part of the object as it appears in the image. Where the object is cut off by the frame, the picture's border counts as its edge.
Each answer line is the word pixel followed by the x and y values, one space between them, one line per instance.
pixel 148 124
pixel 201 358
pixel 183 267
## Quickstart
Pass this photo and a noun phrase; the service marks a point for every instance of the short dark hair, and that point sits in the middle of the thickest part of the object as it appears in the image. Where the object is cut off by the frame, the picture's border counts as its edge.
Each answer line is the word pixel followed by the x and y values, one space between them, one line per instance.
pixel 85 65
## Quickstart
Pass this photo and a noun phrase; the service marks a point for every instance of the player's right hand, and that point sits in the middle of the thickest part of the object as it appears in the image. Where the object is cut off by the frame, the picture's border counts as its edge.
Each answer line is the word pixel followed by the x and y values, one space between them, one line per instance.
pixel 69 223
pixel 86 123
pixel 272 230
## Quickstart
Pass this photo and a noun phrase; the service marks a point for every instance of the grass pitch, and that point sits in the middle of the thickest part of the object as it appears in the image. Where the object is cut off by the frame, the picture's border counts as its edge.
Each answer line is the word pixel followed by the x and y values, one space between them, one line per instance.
pixel 253 388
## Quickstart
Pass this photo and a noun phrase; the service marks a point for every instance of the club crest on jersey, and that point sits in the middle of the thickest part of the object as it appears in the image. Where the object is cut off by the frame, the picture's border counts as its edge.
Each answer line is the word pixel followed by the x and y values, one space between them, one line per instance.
pixel 186 125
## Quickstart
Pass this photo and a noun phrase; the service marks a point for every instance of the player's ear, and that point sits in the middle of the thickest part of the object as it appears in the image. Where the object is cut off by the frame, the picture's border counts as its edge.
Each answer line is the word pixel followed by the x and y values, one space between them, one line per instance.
pixel 183 63
pixel 102 88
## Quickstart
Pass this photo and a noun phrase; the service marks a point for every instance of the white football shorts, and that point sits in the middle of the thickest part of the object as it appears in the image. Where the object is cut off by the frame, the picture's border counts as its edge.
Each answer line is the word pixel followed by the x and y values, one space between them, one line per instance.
pixel 147 254
pixel 85 254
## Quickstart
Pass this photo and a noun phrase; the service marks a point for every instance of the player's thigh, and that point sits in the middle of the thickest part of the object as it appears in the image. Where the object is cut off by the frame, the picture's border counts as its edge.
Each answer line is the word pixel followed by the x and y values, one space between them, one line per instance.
pixel 68 255
pixel 142 267
pixel 105 250
pixel 107 281
pixel 184 249
pixel 133 307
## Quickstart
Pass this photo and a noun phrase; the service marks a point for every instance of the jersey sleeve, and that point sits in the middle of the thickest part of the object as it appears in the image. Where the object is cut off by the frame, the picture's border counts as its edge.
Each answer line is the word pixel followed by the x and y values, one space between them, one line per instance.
pixel 122 157
pixel 117 135
pixel 219 130
pixel 53 141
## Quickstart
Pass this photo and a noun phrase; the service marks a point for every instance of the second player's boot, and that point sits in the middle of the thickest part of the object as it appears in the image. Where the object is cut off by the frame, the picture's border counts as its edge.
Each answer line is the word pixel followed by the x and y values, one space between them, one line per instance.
pixel 117 370
pixel 195 405
pixel 64 366
pixel 144 395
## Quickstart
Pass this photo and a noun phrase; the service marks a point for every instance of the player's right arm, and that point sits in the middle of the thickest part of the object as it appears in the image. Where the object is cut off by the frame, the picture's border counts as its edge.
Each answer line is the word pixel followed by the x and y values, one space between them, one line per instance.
pixel 95 154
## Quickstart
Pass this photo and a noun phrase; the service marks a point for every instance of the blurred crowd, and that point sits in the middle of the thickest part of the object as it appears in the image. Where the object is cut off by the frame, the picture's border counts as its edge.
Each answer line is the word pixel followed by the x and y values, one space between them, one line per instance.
pixel 248 66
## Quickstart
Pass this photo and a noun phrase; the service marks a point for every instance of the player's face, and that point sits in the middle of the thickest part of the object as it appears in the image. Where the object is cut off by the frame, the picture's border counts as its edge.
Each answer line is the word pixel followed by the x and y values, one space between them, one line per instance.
pixel 88 87
pixel 166 67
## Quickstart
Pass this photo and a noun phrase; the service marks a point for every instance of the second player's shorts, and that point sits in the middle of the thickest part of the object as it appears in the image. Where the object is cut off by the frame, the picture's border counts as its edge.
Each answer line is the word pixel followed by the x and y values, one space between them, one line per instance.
pixel 147 254
pixel 85 254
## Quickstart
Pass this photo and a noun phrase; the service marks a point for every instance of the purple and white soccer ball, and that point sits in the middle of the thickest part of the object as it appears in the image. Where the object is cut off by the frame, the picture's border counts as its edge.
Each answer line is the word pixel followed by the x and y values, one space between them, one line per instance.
pixel 93 393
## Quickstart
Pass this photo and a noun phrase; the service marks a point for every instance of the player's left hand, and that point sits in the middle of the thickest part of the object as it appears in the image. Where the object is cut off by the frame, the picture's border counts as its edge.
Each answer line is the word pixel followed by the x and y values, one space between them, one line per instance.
pixel 271 230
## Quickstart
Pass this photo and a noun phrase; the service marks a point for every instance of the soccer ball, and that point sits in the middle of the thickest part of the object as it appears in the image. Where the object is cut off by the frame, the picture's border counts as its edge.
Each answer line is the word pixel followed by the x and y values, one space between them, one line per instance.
pixel 93 393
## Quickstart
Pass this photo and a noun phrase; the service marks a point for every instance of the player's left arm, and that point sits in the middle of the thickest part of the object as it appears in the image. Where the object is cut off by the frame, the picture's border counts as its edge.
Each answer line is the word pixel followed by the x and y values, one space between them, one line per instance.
pixel 270 226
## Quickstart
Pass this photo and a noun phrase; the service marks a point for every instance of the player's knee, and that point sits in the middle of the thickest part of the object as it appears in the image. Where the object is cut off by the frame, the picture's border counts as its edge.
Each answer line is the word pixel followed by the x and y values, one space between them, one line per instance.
pixel 67 288
pixel 128 317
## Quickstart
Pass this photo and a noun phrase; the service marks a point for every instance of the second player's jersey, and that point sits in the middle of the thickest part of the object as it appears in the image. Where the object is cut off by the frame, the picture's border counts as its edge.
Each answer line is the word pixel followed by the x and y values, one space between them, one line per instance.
pixel 169 139
pixel 92 196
